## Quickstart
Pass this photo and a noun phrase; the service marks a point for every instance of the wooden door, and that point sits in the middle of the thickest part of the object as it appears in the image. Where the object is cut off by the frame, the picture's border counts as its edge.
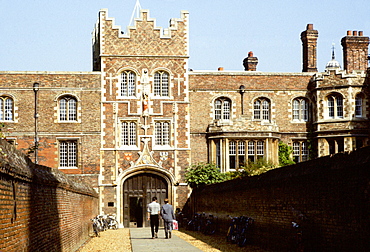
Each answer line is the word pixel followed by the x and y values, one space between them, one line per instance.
pixel 138 192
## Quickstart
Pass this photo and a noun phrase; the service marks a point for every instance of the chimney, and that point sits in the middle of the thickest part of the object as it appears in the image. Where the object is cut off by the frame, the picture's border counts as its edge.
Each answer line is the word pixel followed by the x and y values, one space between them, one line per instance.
pixel 355 51
pixel 250 63
pixel 309 44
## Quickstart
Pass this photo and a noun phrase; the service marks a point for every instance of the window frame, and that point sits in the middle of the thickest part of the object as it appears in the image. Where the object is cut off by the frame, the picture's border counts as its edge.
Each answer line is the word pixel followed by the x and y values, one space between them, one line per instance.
pixel 300 151
pixel 70 151
pixel 335 106
pixel 127 85
pixel 262 109
pixel 359 101
pixel 70 114
pixel 242 151
pixel 222 109
pixel 130 136
pixel 5 111
pixel 300 109
pixel 162 133
pixel 161 85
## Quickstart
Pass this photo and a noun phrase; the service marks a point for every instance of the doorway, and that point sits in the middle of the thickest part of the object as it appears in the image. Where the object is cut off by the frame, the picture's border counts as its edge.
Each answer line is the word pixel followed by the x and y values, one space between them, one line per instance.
pixel 138 191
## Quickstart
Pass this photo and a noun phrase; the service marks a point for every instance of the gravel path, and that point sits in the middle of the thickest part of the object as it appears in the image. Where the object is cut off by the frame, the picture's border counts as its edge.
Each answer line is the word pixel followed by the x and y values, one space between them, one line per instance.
pixel 110 240
pixel 119 241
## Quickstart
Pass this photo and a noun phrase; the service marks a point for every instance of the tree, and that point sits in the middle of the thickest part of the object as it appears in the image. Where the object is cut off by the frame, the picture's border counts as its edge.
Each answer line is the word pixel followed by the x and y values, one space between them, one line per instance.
pixel 285 152
pixel 203 174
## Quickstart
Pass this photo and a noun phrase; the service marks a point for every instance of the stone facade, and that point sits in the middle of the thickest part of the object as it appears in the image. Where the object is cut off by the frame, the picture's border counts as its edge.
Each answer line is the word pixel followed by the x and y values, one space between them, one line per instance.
pixel 132 126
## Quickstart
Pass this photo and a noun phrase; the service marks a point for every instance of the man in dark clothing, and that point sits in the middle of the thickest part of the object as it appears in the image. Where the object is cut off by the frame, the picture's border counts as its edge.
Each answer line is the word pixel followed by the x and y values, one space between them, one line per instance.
pixel 168 216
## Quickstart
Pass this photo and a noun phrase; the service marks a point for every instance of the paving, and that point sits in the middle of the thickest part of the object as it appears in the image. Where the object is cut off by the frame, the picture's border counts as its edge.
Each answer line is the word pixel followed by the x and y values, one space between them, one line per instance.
pixel 141 241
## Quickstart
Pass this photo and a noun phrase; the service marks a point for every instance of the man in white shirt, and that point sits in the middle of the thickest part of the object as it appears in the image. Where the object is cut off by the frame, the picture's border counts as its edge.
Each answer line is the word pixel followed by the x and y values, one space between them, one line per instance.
pixel 153 215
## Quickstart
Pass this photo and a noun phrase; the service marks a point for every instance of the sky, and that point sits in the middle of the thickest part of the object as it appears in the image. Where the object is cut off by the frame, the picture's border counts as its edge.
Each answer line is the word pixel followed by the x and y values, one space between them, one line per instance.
pixel 55 35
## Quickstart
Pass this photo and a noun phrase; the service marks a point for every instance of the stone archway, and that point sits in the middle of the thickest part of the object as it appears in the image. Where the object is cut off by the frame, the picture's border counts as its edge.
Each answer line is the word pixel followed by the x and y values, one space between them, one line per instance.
pixel 138 191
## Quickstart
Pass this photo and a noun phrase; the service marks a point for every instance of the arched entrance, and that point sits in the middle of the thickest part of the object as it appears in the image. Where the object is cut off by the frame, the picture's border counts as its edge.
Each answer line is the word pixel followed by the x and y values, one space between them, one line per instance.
pixel 138 191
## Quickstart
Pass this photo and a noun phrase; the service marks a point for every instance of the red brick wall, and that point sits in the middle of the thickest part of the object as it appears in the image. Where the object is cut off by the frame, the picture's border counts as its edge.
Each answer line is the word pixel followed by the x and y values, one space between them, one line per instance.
pixel 328 197
pixel 40 208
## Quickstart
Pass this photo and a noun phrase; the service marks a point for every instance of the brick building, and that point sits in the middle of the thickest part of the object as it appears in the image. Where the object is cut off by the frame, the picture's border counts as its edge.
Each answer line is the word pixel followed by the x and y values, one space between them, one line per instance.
pixel 135 123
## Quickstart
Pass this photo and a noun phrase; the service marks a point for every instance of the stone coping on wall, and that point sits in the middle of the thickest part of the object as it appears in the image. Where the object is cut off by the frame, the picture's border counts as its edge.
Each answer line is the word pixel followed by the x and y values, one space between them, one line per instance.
pixel 359 159
pixel 15 164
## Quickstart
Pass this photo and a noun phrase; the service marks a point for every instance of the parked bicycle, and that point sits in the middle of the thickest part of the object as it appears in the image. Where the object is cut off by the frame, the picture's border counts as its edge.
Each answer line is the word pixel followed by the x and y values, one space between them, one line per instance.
pixel 209 225
pixel 103 222
pixel 112 222
pixel 239 230
pixel 96 226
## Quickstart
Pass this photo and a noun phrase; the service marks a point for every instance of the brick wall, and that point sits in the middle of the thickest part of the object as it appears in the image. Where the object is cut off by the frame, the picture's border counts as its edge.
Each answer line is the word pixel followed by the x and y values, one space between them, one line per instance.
pixel 41 209
pixel 328 197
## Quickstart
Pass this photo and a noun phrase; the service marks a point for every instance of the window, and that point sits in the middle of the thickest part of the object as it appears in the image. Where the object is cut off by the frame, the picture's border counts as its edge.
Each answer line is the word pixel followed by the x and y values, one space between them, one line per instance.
pixel 236 154
pixel 68 153
pixel 241 152
pixel 261 109
pixel 300 109
pixel 162 133
pixel 335 106
pixel 161 83
pixel 128 83
pixel 6 108
pixel 68 109
pixel 232 154
pixel 358 105
pixel 222 109
pixel 300 151
pixel 218 154
pixel 128 136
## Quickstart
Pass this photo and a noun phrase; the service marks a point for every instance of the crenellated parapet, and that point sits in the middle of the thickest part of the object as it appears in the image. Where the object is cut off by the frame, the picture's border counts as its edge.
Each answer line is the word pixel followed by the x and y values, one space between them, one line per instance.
pixel 144 38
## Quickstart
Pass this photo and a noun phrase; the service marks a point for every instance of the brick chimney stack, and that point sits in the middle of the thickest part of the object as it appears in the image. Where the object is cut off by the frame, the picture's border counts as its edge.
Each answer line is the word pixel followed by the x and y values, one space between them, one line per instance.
pixel 250 63
pixel 309 43
pixel 355 51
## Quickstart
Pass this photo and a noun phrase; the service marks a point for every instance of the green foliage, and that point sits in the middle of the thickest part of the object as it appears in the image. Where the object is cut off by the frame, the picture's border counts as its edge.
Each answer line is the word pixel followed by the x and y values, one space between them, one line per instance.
pixel 251 169
pixel 285 154
pixel 203 174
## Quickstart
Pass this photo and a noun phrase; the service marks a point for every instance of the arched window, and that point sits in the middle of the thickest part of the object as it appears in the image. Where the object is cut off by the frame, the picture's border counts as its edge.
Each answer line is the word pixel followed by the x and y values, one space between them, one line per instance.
pixel 335 106
pixel 128 83
pixel 67 108
pixel 161 83
pixel 261 109
pixel 300 109
pixel 222 108
pixel 6 108
pixel 358 105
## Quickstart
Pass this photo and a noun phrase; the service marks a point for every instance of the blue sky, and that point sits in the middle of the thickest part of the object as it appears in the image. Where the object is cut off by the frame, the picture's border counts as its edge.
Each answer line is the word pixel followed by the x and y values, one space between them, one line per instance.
pixel 51 35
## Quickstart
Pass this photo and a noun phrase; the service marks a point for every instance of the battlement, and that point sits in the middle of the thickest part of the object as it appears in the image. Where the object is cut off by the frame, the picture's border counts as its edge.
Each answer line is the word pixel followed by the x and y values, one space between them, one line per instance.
pixel 144 38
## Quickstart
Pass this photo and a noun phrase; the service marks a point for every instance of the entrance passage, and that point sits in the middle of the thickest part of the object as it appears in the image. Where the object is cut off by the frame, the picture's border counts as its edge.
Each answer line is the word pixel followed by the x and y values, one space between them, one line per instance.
pixel 137 194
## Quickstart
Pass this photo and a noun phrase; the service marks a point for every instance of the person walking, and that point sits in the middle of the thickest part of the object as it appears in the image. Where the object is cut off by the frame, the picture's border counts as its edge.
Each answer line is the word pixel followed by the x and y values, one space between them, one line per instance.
pixel 168 216
pixel 153 215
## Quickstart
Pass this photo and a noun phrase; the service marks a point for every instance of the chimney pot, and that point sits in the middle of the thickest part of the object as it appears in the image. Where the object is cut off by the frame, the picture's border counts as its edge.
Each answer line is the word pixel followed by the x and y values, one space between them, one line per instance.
pixel 360 33
pixel 250 54
pixel 220 69
pixel 309 26
pixel 349 33
pixel 354 33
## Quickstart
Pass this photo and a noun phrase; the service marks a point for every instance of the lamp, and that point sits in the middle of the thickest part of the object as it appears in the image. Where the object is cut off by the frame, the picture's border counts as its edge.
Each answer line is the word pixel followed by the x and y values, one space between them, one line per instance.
pixel 36 115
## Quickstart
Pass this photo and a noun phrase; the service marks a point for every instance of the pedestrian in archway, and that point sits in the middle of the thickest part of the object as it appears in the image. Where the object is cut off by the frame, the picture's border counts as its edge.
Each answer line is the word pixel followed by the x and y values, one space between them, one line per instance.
pixel 168 216
pixel 153 215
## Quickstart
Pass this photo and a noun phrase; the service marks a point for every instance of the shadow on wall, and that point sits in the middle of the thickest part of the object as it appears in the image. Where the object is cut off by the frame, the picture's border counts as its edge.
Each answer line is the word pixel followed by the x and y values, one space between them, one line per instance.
pixel 42 209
